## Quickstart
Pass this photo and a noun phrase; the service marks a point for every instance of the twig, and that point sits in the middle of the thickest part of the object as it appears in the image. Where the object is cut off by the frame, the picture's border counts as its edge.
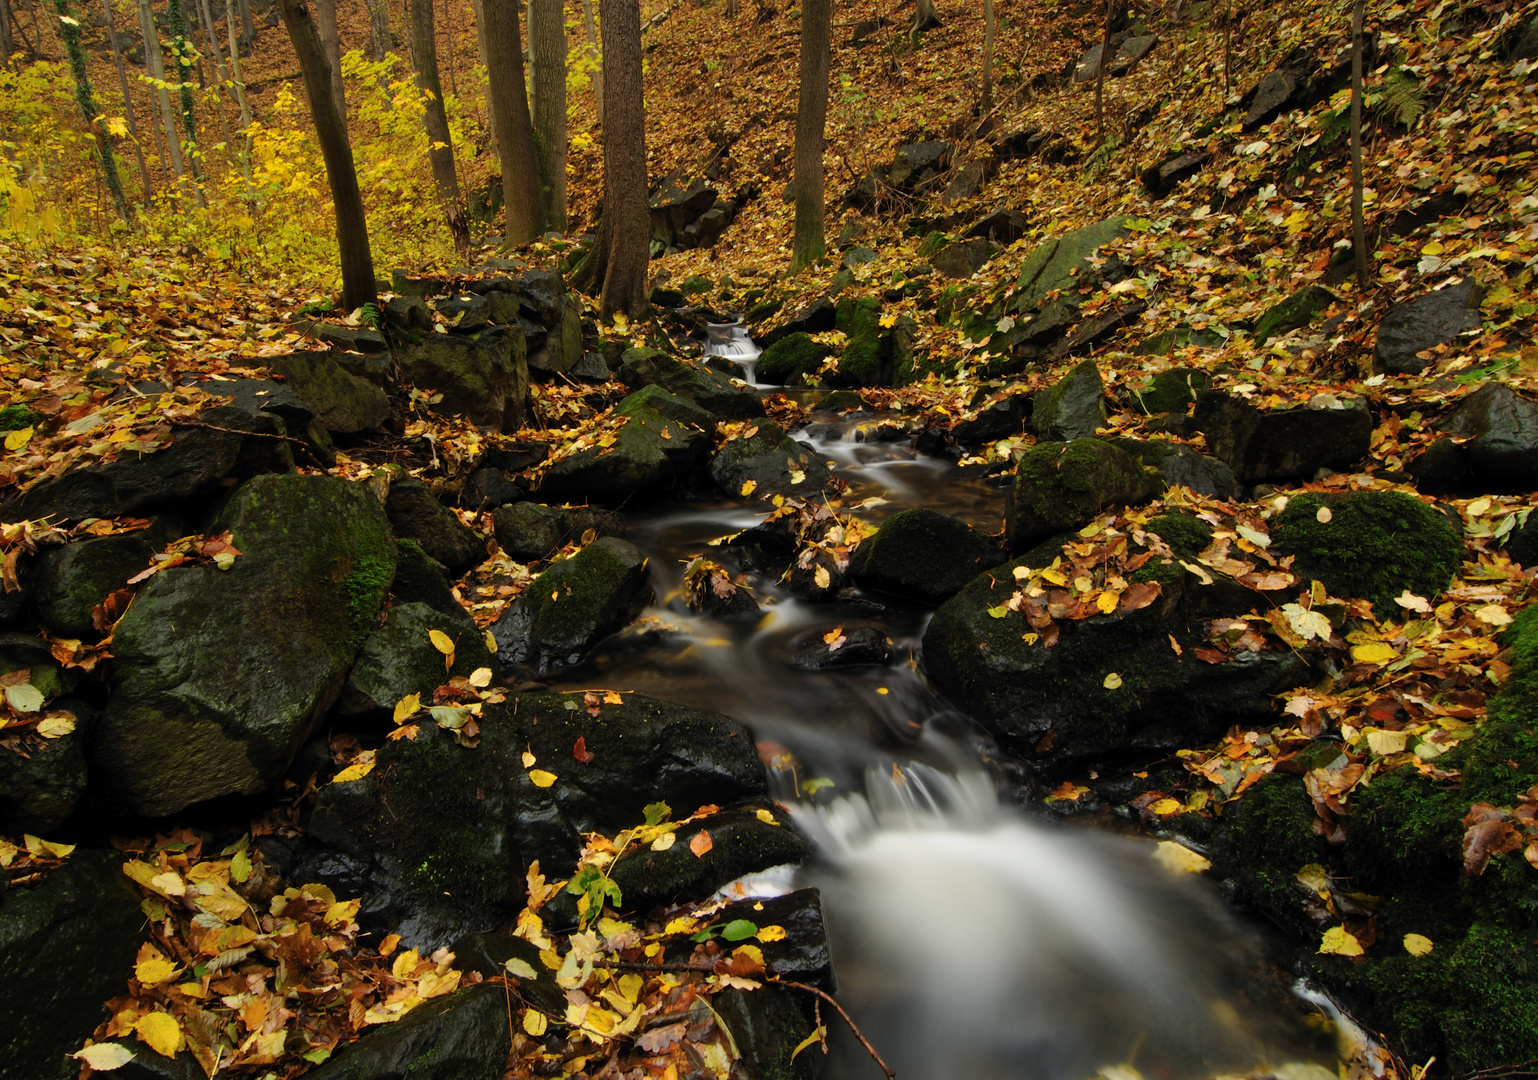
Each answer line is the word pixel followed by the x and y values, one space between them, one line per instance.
pixel 858 1034
pixel 1519 1069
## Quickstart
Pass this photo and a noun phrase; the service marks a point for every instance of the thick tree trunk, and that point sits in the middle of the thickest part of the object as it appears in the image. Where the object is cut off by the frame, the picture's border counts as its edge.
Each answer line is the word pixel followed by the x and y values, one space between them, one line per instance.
pixel 331 42
pixel 547 39
pixel 925 17
pixel 128 103
pixel 7 41
pixel 69 31
pixel 624 161
pixel 987 96
pixel 351 225
pixel 440 151
pixel 1358 222
pixel 484 53
pixel 379 42
pixel 515 131
pixel 593 54
pixel 811 121
pixel 247 25
pixel 157 69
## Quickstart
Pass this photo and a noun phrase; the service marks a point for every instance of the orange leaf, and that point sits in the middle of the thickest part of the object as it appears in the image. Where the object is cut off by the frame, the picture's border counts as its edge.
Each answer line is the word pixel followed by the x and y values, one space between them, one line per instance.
pixel 701 844
pixel 581 752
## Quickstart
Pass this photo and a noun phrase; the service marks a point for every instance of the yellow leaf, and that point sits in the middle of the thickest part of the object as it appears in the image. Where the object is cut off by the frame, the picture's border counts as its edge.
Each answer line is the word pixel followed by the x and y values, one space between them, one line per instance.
pixel 18 438
pixel 240 866
pixel 1417 944
pixel 749 486
pixel 540 778
pixel 766 817
pixel 1166 807
pixel 1324 516
pixel 1338 941
pixel 528 759
pixel 152 968
pixel 767 934
pixel 1112 681
pixel 24 698
pixel 1314 877
pixel 822 577
pixel 441 641
pixel 1179 859
pixel 104 1057
pixel 1107 601
pixel 160 1032
pixel 1434 247
pixel 53 727
pixel 38 846
pixel 408 705
pixel 1493 614
pixel 521 969
pixel 1384 743
pixel 491 642
pixel 663 842
pixel 353 772
pixel 342 912
pixel 1374 652
pixel 534 1022
pixel 820 1033
pixel 480 677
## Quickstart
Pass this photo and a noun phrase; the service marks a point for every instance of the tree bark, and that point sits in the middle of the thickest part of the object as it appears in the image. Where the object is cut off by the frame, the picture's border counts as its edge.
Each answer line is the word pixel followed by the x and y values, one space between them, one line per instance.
pixel 240 93
pixel 925 17
pixel 811 122
pixel 988 20
pixel 157 68
pixel 1358 222
pixel 593 54
pixel 547 38
pixel 181 48
pixel 440 150
pixel 224 80
pixel 1105 62
pixel 69 31
pixel 128 103
pixel 448 36
pixel 624 162
pixel 7 42
pixel 484 53
pixel 351 224
pixel 247 24
pixel 379 42
pixel 331 42
pixel 515 131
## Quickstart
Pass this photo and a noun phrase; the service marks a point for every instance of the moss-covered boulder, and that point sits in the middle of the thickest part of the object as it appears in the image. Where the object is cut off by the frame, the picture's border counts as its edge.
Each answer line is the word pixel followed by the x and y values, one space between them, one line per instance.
pixel 1293 313
pixel 922 554
pixel 789 359
pixel 38 791
pixel 1061 486
pixel 66 945
pixel 772 460
pixel 1063 264
pixel 344 403
pixel 1371 545
pixel 400 658
pixel 652 451
pixel 459 1037
pixel 574 605
pixel 69 581
pixel 1054 704
pixel 1177 463
pixel 861 363
pixel 415 514
pixel 1073 407
pixel 422 579
pixel 1331 432
pixel 437 818
pixel 483 376
pixel 1170 391
pixel 711 390
pixel 258 652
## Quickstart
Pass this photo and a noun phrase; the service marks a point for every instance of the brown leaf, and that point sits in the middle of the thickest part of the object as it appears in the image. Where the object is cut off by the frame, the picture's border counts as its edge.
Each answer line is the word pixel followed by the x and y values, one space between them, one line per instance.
pixel 581 752
pixel 701 843
pixel 1487 833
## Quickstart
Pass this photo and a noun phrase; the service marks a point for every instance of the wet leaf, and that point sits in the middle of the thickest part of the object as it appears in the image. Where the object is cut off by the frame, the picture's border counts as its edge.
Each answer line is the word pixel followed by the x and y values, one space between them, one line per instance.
pixel 737 929
pixel 540 778
pixel 24 698
pixel 55 727
pixel 656 813
pixel 1338 941
pixel 1179 859
pixel 1374 652
pixel 442 642
pixel 663 842
pixel 580 751
pixel 765 816
pixel 534 1022
pixel 749 486
pixel 701 843
pixel 519 968
pixel 1417 944
pixel 353 772
pixel 160 1032
pixel 104 1057
pixel 1111 681
pixel 407 707
pixel 480 678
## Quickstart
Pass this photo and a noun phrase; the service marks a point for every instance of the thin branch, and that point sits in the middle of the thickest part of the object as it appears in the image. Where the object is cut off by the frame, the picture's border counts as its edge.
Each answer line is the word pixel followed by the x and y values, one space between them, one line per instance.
pixel 858 1034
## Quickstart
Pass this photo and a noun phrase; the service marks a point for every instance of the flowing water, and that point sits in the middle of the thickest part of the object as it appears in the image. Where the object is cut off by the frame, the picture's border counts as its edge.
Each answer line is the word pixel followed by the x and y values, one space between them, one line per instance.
pixel 970 940
pixel 730 341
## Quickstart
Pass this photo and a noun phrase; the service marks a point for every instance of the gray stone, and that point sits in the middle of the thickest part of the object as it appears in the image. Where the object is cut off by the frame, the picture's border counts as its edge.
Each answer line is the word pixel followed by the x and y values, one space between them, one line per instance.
pixel 422 579
pixel 863 646
pixel 1416 325
pixel 1001 226
pixel 342 401
pixel 69 581
pixel 1283 444
pixel 1501 427
pixel 965 182
pixel 352 338
pixel 963 258
pixel 1073 407
pixel 407 313
pixel 712 390
pixel 399 658
pixel 416 515
pixel 1179 464
pixel 1274 94
pixel 487 489
pixel 484 377
pixel 39 791
pixel 1000 420
pixel 1173 171
pixel 1131 53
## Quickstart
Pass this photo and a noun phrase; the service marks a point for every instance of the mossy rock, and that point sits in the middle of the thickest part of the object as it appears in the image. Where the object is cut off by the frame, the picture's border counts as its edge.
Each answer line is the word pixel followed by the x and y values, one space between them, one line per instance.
pixel 1170 391
pixel 860 364
pixel 1374 546
pixel 1298 310
pixel 789 360
pixel 400 659
pixel 772 460
pixel 69 581
pixel 842 401
pixel 1264 840
pixel 1073 407
pixel 1063 264
pixel 421 579
pixel 1060 486
pixel 483 377
pixel 16 417
pixel 651 452
pixel 416 514
pixel 711 390
pixel 461 1036
pixel 39 791
pixel 922 554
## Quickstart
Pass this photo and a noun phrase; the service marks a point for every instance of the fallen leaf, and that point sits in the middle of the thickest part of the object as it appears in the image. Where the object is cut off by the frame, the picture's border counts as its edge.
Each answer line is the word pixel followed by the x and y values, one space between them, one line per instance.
pixel 701 844
pixel 1417 944
pixel 407 706
pixel 480 677
pixel 24 698
pixel 1410 602
pixel 441 641
pixel 1111 681
pixel 1490 614
pixel 663 842
pixel 160 1032
pixel 1179 859
pixel 534 1023
pixel 749 486
pixel 104 1057
pixel 765 816
pixel 580 751
pixel 54 727
pixel 1374 652
pixel 1324 515
pixel 540 778
pixel 1338 941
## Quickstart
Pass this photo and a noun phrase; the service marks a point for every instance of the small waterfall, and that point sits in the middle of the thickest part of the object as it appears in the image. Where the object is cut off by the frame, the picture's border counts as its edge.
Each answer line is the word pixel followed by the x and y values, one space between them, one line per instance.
pixel 731 341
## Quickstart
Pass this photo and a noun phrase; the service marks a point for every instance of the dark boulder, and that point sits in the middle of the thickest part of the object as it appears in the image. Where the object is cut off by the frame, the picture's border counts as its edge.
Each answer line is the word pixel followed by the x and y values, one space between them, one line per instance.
pixel 400 658
pixel 487 489
pixel 358 339
pixel 69 581
pixel 1098 329
pixel 260 650
pixel 1000 420
pixel 1179 464
pixel 772 460
pixel 407 313
pixel 1062 265
pixel 1001 227
pixel 963 258
pixel 1295 312
pixel 342 401
pixel 790 359
pixel 864 646
pixel 864 362
pixel 1167 175
pixel 532 531
pixel 661 444
pixel 559 619
pixel 1276 92
pixel 38 791
pixel 965 182
pixel 1441 469
pixel 915 163
pixel 1283 444
pixel 1073 407
pixel 483 377
pixel 815 318
pixel 712 390
pixel 422 579
pixel 1062 486
pixel 462 1036
pixel 922 554
pixel 1170 391
pixel 1501 427
pixel 416 515
pixel 1416 325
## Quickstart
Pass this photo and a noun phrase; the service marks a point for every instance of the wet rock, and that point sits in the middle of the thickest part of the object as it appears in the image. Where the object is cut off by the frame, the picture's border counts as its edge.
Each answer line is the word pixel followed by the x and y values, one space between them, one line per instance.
pixel 790 359
pixel 1168 341
pixel 415 514
pixel 422 579
pixel 531 532
pixel 1098 329
pixel 65 946
pixel 864 646
pixel 769 1023
pixel 741 843
pixel 342 401
pixel 842 401
pixel 592 368
pixel 922 554
pixel 487 489
pixel 462 1036
pixel 1170 391
pixel 864 362
pixel 776 463
pixel 816 577
pixel 1167 175
pixel 437 818
pixel 483 377
pixel 400 659
pixel 1179 464
pixel 1276 92
pixel 69 581
pixel 963 258
pixel 712 390
pixel 198 458
pixel 858 256
pixel 661 446
pixel 1062 486
pixel 260 650
pixel 803 954
pixel 407 313
pixel 966 181
pixel 1442 469
pixel 1375 545
pixel 1002 227
pixel 1283 444
pixel 38 792
pixel 1298 310
pixel 1413 326
pixel 1073 407
pixel 1052 704
pixel 559 620
pixel 515 455
pixel 815 318
pixel 1001 420
pixel 358 339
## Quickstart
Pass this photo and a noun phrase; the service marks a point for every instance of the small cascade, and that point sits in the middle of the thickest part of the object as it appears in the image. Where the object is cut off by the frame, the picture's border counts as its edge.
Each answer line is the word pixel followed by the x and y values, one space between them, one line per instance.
pixel 730 341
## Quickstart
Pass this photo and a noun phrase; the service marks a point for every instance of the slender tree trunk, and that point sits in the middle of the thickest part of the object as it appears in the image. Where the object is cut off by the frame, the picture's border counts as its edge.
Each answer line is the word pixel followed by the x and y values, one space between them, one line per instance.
pixel 181 51
pixel 1105 62
pixel 515 131
pixel 547 39
pixel 331 42
pixel 624 162
pixel 128 104
pixel 592 52
pixel 247 24
pixel 69 31
pixel 987 102
pixel 448 37
pixel 484 53
pixel 1358 222
pixel 224 80
pixel 351 225
pixel 440 151
pixel 7 42
pixel 37 28
pixel 811 123
pixel 378 28
pixel 240 96
pixel 157 68
pixel 1229 25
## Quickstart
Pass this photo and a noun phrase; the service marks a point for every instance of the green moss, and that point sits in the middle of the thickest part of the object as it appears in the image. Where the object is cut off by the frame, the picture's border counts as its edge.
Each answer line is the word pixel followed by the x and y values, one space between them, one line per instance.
pixel 366 586
pixel 1402 825
pixel 1170 391
pixel 789 359
pixel 1299 309
pixel 763 309
pixel 1270 837
pixel 1185 535
pixel 16 417
pixel 932 243
pixel 569 597
pixel 859 318
pixel 1375 545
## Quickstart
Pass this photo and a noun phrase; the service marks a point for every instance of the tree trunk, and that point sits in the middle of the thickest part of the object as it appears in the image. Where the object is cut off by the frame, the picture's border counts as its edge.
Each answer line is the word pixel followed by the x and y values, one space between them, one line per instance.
pixel 1105 62
pixel 515 131
pixel 240 93
pixel 128 103
pixel 593 54
pixel 624 162
pixel 247 25
pixel 448 37
pixel 484 53
pixel 330 130
pixel 379 42
pixel 181 49
pixel 811 122
pixel 157 68
pixel 547 39
pixel 224 79
pixel 925 17
pixel 987 102
pixel 331 42
pixel 440 151
pixel 69 31
pixel 1358 222
pixel 7 42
